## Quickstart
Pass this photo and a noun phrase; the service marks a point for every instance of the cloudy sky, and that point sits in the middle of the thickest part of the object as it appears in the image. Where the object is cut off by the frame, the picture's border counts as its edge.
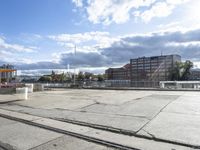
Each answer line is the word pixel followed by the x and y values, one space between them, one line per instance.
pixel 40 35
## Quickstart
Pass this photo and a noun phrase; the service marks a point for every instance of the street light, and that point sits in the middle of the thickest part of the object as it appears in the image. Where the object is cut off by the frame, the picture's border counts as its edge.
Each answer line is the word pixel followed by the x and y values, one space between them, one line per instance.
pixel 74 79
pixel 74 65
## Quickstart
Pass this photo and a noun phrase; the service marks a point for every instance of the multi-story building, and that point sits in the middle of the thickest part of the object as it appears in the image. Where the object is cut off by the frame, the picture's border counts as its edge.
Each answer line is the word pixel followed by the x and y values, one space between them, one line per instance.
pixel 122 73
pixel 7 72
pixel 194 74
pixel 148 71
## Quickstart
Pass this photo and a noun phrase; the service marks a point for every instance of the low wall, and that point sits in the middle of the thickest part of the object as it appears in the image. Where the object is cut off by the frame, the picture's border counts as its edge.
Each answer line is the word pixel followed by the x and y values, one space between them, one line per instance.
pixel 38 87
pixel 7 90
pixel 194 85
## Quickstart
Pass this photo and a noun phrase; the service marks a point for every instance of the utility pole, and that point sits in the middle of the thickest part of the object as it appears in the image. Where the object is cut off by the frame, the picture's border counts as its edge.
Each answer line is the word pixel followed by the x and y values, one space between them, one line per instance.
pixel 74 64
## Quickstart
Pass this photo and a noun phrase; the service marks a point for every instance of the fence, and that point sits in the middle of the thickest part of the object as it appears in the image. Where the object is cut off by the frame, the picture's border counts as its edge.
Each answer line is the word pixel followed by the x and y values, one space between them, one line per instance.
pixel 106 83
pixel 145 84
pixel 117 83
pixel 194 85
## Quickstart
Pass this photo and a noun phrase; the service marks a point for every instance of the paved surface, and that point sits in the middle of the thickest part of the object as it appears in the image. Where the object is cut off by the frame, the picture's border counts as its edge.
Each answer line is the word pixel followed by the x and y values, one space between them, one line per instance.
pixel 94 135
pixel 70 143
pixel 19 136
pixel 165 115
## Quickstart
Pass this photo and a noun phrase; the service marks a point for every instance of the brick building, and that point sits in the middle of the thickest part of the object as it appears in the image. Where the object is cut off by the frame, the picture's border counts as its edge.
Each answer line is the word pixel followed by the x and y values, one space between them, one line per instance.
pixel 122 73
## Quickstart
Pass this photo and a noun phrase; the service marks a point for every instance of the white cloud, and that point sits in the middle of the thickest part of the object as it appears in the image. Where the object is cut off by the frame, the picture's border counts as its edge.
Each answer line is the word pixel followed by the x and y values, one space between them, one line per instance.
pixel 78 3
pixel 108 11
pixel 24 60
pixel 169 25
pixel 119 52
pixel 79 37
pixel 176 2
pixel 15 47
pixel 137 45
pixel 121 11
pixel 88 42
pixel 160 9
pixel 5 53
pixel 192 14
pixel 96 39
pixel 185 44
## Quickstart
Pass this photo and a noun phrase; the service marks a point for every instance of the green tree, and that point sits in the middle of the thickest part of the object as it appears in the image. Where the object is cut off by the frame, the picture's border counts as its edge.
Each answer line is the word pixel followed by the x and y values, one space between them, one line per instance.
pixel 175 74
pixel 45 79
pixel 80 76
pixel 186 70
pixel 101 77
pixel 181 70
pixel 88 75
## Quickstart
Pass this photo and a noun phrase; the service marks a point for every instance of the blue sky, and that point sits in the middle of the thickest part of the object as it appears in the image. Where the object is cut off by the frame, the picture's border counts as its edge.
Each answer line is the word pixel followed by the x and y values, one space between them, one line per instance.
pixel 41 34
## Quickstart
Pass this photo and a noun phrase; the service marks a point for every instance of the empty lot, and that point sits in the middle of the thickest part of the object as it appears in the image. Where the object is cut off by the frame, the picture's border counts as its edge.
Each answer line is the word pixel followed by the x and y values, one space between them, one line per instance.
pixel 172 116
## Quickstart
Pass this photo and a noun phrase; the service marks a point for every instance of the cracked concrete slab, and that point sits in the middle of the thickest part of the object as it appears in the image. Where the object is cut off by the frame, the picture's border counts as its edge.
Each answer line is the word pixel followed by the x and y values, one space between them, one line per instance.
pixel 12 113
pixel 5 122
pixel 52 101
pixel 175 127
pixel 5 98
pixel 55 113
pixel 106 136
pixel 120 122
pixel 130 123
pixel 146 107
pixel 41 99
pixel 169 115
pixel 185 105
pixel 70 143
pixel 19 136
pixel 136 142
pixel 23 137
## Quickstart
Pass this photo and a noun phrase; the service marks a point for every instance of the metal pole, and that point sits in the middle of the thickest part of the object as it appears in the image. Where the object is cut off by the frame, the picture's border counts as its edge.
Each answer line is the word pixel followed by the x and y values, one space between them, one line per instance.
pixel 74 64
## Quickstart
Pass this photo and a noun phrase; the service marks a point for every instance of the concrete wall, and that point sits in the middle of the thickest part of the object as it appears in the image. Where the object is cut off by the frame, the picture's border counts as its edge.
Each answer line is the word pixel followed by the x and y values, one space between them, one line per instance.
pixel 7 90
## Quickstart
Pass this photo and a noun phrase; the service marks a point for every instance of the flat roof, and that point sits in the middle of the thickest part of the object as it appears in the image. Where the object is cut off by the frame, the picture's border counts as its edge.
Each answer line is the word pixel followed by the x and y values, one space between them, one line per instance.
pixel 8 70
pixel 149 57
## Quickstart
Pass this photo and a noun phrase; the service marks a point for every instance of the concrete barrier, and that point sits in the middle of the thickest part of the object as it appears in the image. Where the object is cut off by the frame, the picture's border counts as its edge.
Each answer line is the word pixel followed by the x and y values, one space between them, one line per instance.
pixel 22 93
pixel 38 87
pixel 30 88
pixel 7 90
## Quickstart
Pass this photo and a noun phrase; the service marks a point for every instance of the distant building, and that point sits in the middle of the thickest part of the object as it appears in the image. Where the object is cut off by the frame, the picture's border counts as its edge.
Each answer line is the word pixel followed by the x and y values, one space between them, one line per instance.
pixel 148 71
pixel 27 78
pixel 122 73
pixel 194 74
pixel 7 73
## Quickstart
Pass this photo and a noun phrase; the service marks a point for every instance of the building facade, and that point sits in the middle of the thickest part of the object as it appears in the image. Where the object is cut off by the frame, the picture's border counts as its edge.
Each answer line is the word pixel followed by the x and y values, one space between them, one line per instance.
pixel 122 73
pixel 194 75
pixel 7 73
pixel 148 71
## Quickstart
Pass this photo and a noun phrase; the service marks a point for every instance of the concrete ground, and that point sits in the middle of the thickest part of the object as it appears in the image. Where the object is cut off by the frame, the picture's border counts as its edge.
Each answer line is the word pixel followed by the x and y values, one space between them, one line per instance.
pixel 168 116
pixel 19 136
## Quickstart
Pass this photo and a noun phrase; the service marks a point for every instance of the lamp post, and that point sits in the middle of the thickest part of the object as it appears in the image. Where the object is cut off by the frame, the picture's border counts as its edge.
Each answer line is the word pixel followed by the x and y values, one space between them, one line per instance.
pixel 74 76
pixel 74 65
